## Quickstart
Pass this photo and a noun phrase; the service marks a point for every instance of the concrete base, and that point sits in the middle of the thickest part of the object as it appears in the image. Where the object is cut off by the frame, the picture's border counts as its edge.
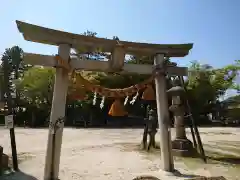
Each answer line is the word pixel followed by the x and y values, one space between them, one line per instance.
pixel 182 147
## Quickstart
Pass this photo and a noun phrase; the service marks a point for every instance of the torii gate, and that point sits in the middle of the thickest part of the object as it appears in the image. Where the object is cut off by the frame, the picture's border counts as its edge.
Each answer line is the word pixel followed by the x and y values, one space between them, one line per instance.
pixel 118 49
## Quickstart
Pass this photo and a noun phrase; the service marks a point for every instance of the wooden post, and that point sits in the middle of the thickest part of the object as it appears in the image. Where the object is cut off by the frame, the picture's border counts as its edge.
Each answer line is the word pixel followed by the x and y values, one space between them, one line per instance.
pixel 57 111
pixel 163 118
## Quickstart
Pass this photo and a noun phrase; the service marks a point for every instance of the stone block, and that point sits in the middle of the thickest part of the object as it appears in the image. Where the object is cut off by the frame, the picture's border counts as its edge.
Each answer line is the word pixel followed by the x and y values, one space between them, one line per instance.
pixel 5 161
pixel 182 147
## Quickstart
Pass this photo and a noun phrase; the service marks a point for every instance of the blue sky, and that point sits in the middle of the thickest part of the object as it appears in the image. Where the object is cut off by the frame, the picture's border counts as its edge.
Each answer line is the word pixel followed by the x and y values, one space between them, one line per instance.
pixel 212 25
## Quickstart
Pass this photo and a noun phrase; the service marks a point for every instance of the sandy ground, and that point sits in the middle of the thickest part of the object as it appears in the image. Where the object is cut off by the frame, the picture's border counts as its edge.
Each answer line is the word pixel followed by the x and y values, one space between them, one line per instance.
pixel 102 154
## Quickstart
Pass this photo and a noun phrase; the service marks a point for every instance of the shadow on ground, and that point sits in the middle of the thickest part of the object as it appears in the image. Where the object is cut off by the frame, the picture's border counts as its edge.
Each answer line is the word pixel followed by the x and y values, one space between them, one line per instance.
pixel 231 160
pixel 179 174
pixel 17 176
pixel 156 176
pixel 226 154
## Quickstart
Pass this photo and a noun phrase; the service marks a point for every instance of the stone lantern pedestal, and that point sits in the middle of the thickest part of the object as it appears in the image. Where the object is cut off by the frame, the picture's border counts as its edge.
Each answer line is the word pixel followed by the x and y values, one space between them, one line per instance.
pixel 181 146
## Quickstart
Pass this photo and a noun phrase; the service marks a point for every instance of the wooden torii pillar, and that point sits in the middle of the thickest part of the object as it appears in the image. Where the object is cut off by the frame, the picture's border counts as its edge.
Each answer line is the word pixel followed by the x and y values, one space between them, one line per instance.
pixel 119 49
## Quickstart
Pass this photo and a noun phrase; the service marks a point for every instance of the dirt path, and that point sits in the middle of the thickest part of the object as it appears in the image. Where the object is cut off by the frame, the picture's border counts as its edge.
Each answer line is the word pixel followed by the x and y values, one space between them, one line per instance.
pixel 102 154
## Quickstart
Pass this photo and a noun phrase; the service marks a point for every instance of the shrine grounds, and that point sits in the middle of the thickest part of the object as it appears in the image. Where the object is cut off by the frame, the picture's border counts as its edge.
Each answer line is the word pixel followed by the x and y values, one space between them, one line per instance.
pixel 102 154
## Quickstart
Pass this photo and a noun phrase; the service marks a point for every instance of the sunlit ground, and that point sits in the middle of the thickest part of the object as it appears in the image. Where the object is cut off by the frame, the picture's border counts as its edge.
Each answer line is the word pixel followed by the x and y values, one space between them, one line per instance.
pixel 115 154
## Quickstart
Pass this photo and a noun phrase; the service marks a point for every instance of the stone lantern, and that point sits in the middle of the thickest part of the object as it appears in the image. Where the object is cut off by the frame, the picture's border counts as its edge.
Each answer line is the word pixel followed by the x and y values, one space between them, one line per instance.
pixel 181 145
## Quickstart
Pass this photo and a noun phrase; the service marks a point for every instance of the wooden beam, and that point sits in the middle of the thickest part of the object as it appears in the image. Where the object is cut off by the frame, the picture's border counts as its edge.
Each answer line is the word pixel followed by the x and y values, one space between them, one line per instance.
pixel 117 58
pixel 39 59
pixel 44 35
pixel 103 66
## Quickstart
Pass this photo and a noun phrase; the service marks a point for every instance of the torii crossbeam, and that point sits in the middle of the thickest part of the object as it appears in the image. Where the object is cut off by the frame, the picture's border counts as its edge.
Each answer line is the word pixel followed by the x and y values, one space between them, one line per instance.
pixel 118 49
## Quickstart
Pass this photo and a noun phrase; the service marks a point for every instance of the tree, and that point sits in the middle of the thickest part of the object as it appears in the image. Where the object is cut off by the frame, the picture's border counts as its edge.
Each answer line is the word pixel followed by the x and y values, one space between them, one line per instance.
pixel 1 86
pixel 13 66
pixel 206 85
pixel 35 90
pixel 36 86
pixel 7 69
pixel 9 63
pixel 14 56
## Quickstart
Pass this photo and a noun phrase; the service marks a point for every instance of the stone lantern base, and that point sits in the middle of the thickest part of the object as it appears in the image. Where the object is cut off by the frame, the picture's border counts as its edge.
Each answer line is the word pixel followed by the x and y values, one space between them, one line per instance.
pixel 183 147
pixel 2 104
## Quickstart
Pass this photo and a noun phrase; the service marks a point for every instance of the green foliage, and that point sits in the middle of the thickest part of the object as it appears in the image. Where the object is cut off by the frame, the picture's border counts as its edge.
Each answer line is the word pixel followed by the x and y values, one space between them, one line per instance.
pixel 225 77
pixel 36 87
pixel 1 85
pixel 206 85
pixel 12 68
pixel 12 59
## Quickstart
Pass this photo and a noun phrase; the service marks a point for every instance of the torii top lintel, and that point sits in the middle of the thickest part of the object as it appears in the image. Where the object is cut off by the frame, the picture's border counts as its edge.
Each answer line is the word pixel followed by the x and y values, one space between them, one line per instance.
pixel 44 35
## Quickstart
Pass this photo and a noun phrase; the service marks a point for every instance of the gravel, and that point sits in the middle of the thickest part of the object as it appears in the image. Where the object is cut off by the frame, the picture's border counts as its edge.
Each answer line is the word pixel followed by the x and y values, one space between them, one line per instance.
pixel 101 154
